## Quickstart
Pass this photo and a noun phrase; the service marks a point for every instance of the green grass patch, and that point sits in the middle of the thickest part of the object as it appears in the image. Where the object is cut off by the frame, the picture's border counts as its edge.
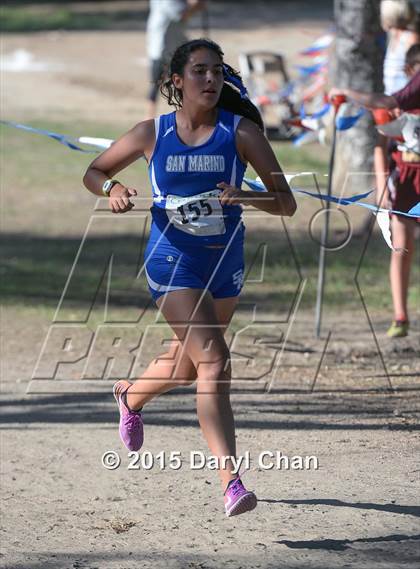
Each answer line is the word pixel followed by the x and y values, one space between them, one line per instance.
pixel 311 158
pixel 68 16
pixel 46 211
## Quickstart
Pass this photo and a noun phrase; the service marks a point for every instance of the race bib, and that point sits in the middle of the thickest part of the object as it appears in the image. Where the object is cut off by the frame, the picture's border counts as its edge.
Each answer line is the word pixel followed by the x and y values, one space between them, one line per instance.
pixel 199 215
pixel 407 126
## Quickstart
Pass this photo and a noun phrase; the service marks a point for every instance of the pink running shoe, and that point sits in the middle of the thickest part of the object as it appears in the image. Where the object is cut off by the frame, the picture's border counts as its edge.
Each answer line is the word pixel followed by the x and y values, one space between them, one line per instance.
pixel 238 500
pixel 131 422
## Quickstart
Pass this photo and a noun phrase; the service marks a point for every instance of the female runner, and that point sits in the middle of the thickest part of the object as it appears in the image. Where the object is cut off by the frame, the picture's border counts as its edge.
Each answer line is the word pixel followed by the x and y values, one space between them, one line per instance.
pixel 197 156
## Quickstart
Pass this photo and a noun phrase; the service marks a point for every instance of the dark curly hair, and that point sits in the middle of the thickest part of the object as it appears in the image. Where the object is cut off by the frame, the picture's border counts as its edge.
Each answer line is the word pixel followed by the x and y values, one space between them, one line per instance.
pixel 413 55
pixel 230 97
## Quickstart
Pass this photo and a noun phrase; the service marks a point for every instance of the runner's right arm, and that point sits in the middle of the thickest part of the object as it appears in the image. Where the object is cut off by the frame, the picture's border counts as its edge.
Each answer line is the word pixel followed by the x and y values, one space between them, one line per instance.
pixel 137 142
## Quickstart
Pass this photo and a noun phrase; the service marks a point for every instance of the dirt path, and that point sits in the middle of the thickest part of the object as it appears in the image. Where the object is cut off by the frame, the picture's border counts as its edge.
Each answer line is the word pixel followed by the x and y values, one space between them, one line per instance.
pixel 104 75
pixel 63 509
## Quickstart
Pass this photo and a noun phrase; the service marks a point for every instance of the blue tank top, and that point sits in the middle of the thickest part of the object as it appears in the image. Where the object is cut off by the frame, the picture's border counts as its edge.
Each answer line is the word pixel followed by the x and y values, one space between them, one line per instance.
pixel 186 209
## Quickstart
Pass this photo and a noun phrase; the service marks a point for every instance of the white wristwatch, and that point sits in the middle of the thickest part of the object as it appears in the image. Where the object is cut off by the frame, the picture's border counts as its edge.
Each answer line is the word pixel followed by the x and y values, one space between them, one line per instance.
pixel 108 185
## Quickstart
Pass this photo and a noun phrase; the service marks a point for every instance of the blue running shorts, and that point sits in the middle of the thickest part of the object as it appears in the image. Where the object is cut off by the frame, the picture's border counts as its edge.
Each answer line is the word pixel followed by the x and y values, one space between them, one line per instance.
pixel 169 268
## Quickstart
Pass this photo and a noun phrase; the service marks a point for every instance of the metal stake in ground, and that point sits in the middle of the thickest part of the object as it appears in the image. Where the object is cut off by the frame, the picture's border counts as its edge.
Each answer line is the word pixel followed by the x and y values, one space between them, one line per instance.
pixel 337 101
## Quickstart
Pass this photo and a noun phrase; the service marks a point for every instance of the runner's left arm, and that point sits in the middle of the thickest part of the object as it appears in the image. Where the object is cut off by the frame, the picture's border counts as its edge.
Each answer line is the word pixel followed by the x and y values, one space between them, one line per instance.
pixel 253 147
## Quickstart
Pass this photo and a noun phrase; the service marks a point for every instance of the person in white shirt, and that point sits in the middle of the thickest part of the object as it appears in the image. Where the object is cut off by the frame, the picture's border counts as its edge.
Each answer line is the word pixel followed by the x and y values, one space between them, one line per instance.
pixel 165 32
pixel 400 20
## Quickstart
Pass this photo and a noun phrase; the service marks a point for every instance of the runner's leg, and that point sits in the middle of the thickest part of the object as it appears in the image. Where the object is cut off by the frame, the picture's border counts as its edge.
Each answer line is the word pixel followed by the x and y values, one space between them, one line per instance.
pixel 192 316
pixel 402 238
pixel 173 368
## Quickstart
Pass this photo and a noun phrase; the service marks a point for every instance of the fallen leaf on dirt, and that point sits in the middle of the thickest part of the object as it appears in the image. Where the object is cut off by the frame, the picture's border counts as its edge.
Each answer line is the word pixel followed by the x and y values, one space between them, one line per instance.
pixel 121 526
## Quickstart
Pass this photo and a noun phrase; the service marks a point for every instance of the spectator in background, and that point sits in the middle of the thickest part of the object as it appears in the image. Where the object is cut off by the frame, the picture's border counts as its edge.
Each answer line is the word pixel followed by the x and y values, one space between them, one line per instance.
pixel 400 20
pixel 165 32
pixel 404 178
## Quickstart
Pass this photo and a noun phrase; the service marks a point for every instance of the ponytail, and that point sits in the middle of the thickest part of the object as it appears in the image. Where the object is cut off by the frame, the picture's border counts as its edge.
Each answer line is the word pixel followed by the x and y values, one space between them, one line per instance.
pixel 234 97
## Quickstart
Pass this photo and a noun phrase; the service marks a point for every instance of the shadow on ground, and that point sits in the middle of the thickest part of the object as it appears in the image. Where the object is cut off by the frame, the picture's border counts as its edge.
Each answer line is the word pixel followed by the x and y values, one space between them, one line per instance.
pixel 391 508
pixel 388 558
pixel 342 544
pixel 177 409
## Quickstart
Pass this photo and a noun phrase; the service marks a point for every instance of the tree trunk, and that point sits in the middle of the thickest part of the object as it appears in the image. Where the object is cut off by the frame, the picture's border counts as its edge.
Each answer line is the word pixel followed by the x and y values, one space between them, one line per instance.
pixel 358 64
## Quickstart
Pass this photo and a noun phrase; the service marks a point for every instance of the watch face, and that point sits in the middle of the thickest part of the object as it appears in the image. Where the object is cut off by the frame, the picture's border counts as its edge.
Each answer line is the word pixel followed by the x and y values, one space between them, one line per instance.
pixel 106 188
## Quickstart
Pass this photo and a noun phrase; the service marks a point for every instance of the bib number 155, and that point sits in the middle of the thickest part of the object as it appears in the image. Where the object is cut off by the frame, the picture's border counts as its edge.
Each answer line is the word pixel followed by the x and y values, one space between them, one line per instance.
pixel 194 210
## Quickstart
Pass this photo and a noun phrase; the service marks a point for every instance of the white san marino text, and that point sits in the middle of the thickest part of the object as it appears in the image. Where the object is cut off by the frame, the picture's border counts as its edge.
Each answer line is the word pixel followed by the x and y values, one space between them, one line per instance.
pixel 195 163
